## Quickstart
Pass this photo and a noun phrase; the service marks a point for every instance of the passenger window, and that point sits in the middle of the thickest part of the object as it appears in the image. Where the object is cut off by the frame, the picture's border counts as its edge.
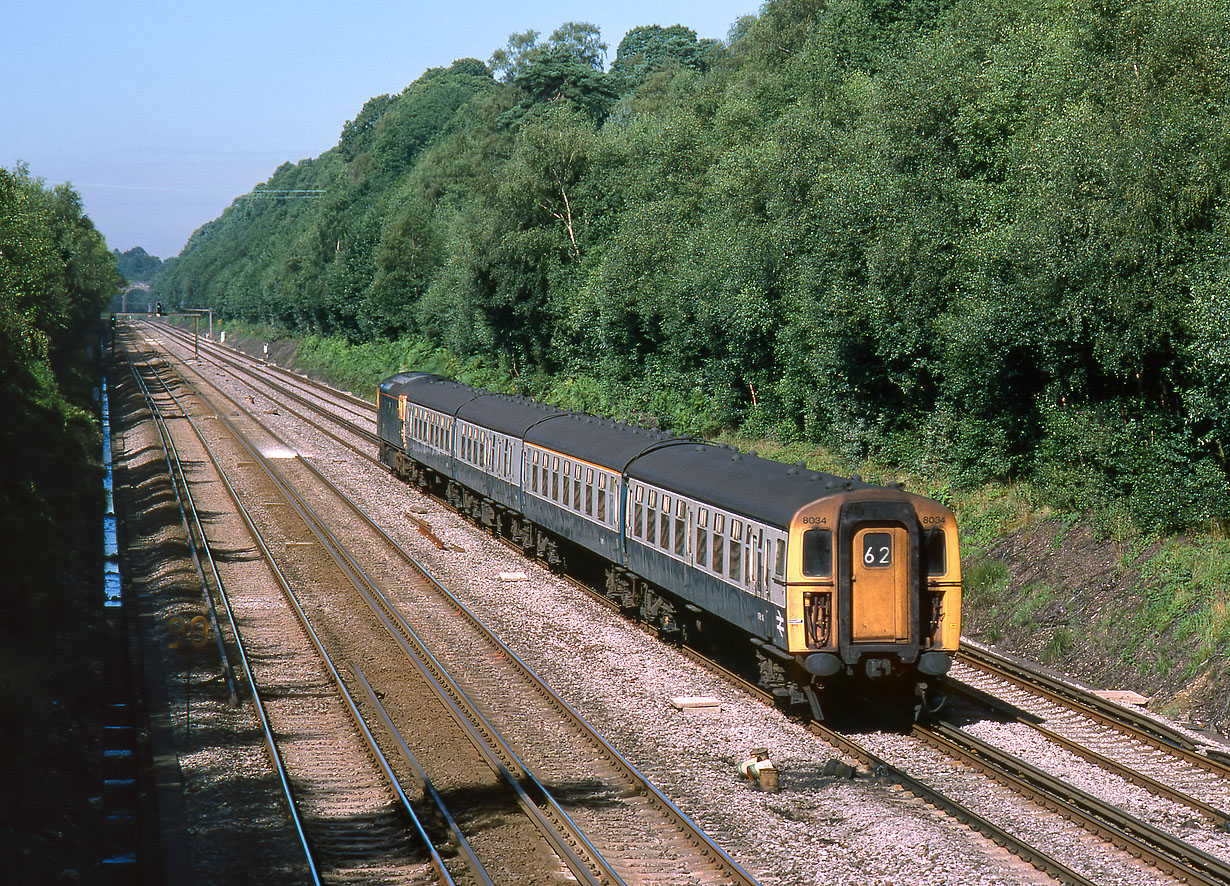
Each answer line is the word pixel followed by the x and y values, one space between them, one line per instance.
pixel 651 522
pixel 681 536
pixel 602 505
pixel 718 550
pixel 664 541
pixel 736 557
pixel 935 552
pixel 636 519
pixel 780 567
pixel 702 548
pixel 818 553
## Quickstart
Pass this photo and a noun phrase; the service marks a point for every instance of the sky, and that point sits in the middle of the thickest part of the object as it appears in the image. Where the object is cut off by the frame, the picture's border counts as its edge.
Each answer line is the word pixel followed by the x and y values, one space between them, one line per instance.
pixel 161 114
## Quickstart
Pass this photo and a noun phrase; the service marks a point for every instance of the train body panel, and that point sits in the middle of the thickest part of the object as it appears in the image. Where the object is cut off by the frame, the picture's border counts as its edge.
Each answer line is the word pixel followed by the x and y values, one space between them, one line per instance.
pixel 838 578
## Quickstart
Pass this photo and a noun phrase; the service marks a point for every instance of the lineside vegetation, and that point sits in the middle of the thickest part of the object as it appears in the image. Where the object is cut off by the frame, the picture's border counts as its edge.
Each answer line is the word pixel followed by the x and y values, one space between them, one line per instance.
pixel 55 277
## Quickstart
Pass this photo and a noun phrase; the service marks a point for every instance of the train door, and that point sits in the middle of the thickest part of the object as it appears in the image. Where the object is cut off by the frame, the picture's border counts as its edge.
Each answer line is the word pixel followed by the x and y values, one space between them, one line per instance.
pixel 754 562
pixel 880 604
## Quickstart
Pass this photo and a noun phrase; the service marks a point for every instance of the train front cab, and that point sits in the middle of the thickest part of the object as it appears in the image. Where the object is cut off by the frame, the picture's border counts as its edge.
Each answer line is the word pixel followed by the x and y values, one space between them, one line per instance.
pixel 874 593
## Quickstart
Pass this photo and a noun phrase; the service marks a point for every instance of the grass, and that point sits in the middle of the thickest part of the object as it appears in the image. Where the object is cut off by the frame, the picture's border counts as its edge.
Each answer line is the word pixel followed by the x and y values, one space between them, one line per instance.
pixel 1058 647
pixel 985 581
pixel 1029 601
pixel 1187 599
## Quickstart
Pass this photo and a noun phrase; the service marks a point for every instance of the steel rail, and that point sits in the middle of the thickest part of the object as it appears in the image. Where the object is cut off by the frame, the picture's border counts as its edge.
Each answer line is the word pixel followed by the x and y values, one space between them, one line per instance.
pixel 1219 817
pixel 236 359
pixel 1139 838
pixel 275 756
pixel 696 835
pixel 250 373
pixel 197 542
pixel 1132 723
pixel 330 667
pixel 447 690
pixel 630 771
pixel 461 843
pixel 881 768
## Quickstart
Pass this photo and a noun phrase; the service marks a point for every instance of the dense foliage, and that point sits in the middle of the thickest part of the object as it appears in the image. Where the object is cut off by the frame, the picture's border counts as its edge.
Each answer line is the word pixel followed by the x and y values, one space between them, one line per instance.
pixel 987 237
pixel 55 276
pixel 136 265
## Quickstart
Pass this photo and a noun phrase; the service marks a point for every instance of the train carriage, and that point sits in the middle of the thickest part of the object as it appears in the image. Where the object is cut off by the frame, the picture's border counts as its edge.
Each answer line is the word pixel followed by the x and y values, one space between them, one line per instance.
pixel 830 581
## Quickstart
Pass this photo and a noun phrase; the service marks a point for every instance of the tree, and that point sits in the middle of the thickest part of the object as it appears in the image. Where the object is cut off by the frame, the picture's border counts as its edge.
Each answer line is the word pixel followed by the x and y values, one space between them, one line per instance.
pixel 645 50
pixel 580 40
pixel 509 62
pixel 559 74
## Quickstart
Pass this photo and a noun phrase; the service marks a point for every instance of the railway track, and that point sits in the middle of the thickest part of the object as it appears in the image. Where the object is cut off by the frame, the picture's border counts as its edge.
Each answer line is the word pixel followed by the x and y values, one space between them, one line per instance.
pixel 345 817
pixel 1131 722
pixel 1106 820
pixel 1210 869
pixel 495 694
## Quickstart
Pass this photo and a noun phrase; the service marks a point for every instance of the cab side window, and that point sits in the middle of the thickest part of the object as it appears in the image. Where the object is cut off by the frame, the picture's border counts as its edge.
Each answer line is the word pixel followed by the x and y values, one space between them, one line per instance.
pixel 818 553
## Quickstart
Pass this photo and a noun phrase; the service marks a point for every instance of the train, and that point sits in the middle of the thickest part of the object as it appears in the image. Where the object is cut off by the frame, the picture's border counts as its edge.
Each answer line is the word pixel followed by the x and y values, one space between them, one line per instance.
pixel 822 586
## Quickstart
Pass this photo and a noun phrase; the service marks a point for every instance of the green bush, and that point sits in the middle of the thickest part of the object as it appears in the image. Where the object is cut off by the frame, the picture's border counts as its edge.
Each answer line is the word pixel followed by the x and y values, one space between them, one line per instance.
pixel 985 581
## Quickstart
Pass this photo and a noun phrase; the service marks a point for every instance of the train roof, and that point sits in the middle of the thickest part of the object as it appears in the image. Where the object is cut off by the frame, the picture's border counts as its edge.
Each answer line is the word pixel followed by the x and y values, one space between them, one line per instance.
pixel 499 412
pixel 507 414
pixel 396 385
pixel 770 491
pixel 765 490
pixel 596 440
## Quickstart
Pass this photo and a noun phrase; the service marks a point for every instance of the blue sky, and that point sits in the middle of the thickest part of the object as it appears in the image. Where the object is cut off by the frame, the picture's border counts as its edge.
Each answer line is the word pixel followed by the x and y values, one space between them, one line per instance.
pixel 160 114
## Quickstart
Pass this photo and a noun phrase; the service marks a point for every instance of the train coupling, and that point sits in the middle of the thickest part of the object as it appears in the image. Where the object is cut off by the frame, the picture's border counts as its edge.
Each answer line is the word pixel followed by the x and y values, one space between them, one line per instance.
pixel 930 698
